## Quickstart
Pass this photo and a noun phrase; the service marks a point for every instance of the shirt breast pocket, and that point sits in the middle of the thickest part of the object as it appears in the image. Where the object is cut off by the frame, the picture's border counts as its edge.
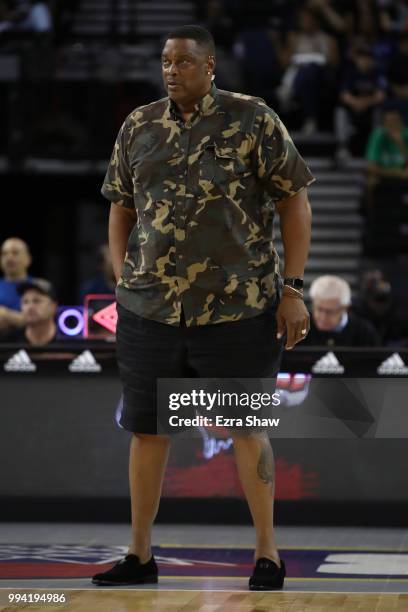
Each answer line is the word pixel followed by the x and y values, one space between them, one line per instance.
pixel 222 165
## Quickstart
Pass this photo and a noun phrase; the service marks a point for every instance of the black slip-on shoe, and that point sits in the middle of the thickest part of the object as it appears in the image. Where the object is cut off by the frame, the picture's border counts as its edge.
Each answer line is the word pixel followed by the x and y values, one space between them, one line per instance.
pixel 128 571
pixel 267 576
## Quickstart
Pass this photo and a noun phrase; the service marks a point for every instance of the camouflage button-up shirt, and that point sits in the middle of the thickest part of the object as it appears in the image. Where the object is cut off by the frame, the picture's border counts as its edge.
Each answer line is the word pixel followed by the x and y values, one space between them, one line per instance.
pixel 204 193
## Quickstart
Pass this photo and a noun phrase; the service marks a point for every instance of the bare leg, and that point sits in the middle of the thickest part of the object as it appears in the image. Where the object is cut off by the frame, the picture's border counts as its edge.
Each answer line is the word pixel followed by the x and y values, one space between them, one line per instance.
pixel 147 463
pixel 256 469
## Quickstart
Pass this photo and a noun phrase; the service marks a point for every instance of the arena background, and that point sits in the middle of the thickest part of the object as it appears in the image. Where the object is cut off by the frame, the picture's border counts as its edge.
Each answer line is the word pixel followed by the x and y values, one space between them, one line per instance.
pixel 64 92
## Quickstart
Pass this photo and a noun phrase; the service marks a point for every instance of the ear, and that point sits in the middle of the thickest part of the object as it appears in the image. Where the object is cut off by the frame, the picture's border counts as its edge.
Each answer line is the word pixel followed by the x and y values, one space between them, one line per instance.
pixel 211 63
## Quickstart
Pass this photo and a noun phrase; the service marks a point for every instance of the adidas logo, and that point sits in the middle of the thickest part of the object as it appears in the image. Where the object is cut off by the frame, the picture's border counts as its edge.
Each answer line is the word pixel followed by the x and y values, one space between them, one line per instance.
pixel 393 365
pixel 328 364
pixel 20 362
pixel 85 362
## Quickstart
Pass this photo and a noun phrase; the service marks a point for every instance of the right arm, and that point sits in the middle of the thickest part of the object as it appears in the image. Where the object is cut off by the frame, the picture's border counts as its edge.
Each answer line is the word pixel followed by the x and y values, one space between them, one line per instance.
pixel 121 223
pixel 118 188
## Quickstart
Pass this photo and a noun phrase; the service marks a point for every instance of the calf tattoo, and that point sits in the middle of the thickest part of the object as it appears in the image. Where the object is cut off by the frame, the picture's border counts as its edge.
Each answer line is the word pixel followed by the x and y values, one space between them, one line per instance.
pixel 266 464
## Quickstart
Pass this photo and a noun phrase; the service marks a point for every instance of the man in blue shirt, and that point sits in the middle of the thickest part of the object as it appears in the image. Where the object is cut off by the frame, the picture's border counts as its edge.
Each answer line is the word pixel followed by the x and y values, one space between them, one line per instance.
pixel 15 259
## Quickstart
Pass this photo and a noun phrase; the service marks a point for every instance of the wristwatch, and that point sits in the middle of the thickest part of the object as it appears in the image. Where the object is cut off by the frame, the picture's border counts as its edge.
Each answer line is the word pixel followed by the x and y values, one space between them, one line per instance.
pixel 292 281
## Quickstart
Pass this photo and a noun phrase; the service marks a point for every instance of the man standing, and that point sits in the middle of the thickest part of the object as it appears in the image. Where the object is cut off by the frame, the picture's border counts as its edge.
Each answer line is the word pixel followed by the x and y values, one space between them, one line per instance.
pixel 193 181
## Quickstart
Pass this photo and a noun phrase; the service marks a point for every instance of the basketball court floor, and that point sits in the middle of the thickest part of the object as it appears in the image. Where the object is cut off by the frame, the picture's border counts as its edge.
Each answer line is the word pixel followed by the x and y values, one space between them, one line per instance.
pixel 206 568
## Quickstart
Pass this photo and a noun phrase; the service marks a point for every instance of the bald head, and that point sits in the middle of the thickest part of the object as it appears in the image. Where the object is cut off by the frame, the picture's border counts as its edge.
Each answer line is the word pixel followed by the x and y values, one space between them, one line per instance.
pixel 15 259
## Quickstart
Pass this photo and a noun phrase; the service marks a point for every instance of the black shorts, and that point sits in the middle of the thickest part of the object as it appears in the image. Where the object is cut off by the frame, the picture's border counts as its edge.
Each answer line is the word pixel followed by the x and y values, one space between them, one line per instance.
pixel 147 350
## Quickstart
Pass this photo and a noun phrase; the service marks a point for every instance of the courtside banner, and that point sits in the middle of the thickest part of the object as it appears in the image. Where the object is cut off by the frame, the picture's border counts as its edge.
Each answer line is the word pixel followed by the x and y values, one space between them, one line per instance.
pixel 300 406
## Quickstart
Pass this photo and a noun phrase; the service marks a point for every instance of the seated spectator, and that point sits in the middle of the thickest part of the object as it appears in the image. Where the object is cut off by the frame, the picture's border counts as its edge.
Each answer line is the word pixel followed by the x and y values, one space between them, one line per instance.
pixel 258 50
pixel 39 18
pixel 15 259
pixel 387 155
pixel 362 91
pixel 387 150
pixel 310 57
pixel 27 16
pixel 396 15
pixel 331 323
pixel 39 308
pixel 376 303
pixel 104 281
pixel 398 76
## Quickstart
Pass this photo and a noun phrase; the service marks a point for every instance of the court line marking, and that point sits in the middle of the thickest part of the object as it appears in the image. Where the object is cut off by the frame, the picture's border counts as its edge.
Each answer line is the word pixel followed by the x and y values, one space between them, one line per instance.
pixel 276 592
pixel 287 578
pixel 241 547
pixel 290 579
pixel 233 578
pixel 282 547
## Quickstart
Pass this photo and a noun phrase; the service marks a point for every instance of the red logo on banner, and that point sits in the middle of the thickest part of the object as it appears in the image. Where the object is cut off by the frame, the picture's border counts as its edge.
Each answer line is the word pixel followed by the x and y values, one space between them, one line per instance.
pixel 107 317
pixel 100 312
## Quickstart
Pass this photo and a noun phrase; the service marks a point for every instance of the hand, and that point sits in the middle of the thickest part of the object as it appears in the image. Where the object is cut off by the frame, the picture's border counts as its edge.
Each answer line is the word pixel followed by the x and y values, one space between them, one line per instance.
pixel 292 314
pixel 4 320
pixel 396 136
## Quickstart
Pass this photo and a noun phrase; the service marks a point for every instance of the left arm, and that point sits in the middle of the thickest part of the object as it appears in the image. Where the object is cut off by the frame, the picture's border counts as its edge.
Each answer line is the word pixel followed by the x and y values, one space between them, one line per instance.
pixel 284 176
pixel 295 221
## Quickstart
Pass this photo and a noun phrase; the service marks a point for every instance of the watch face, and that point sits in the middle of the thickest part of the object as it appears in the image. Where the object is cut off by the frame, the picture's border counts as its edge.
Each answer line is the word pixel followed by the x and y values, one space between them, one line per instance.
pixel 297 283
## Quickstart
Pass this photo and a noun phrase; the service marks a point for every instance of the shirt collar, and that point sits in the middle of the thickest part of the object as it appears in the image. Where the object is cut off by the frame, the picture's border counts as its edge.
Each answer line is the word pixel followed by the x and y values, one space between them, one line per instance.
pixel 205 107
pixel 342 324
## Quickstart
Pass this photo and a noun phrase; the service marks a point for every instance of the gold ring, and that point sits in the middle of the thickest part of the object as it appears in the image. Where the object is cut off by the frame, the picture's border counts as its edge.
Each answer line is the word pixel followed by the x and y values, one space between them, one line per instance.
pixel 303 331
